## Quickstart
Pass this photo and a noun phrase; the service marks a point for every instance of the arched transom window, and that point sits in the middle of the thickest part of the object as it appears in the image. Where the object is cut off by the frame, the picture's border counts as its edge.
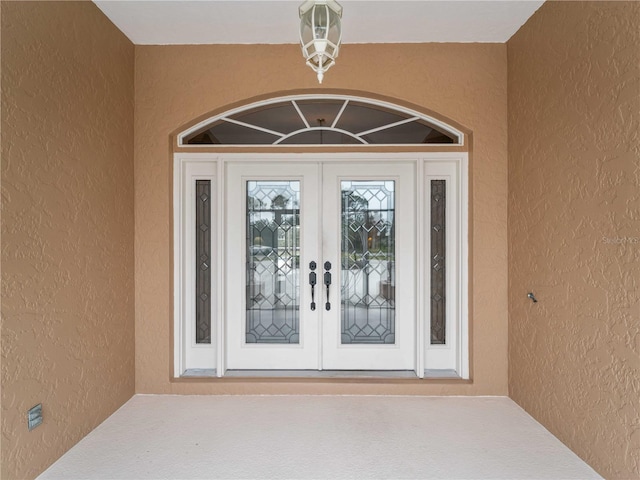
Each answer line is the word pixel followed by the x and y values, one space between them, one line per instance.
pixel 321 120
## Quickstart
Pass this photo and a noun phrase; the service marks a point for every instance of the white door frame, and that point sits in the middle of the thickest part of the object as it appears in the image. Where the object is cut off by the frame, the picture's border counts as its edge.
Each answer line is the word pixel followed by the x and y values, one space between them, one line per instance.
pixel 458 361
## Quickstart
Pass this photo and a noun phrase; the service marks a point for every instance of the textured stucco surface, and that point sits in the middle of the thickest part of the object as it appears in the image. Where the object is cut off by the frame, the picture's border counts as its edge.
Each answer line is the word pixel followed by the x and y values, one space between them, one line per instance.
pixel 67 227
pixel 464 82
pixel 574 228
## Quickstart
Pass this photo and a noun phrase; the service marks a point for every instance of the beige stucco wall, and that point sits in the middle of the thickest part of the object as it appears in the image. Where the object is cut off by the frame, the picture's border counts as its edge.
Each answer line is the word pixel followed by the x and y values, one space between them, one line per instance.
pixel 574 228
pixel 67 227
pixel 176 84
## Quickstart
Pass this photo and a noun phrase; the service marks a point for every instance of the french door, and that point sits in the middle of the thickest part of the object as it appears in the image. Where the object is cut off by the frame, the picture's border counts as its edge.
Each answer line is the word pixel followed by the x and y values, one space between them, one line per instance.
pixel 320 269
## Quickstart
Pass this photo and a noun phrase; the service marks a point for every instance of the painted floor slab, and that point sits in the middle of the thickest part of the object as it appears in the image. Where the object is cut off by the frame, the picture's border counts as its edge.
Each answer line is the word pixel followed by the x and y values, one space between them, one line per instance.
pixel 206 437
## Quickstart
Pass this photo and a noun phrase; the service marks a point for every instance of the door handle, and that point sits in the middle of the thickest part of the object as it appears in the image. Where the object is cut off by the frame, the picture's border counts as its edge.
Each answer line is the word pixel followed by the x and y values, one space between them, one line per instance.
pixel 327 282
pixel 312 281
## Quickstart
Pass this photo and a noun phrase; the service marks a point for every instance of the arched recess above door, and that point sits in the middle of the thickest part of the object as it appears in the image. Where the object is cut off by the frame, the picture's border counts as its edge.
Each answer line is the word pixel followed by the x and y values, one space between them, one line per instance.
pixel 321 119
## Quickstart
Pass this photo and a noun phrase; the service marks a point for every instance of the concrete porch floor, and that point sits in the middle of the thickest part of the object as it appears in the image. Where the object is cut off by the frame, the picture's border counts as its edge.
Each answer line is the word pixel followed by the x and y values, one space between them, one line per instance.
pixel 205 437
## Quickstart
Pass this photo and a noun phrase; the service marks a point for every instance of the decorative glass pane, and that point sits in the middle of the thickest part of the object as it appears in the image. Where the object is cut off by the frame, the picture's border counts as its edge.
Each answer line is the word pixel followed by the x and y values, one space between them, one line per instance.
pixel 438 256
pixel 273 258
pixel 226 133
pixel 282 118
pixel 320 113
pixel 361 117
pixel 321 137
pixel 368 262
pixel 203 261
pixel 411 132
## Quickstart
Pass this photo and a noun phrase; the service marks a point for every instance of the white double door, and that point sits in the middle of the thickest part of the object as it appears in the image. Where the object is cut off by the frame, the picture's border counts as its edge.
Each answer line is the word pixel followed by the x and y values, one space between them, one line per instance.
pixel 351 221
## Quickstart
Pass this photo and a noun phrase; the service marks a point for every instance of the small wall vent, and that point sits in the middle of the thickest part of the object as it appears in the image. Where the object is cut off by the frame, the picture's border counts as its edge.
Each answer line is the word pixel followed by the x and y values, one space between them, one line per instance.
pixel 34 416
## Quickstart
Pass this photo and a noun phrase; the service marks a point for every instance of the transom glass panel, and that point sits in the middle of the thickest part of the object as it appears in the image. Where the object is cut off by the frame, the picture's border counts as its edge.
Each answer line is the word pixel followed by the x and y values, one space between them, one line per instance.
pixel 272 261
pixel 325 120
pixel 368 262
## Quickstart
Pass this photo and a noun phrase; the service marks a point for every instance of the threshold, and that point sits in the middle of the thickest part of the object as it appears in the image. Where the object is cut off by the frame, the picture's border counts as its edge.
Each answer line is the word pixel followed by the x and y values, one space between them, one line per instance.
pixel 355 374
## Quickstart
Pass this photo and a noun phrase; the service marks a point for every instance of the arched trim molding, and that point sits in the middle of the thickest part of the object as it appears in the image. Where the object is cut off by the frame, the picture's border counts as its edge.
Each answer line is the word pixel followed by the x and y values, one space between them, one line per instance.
pixel 321 119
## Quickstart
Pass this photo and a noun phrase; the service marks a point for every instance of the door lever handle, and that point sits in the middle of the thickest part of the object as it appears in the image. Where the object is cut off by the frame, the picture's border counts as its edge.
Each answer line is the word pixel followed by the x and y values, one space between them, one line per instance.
pixel 327 282
pixel 312 281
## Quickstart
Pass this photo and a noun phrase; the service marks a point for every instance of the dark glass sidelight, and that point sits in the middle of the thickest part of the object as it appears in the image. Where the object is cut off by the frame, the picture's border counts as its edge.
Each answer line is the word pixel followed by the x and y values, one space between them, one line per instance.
pixel 438 256
pixel 368 262
pixel 203 261
pixel 273 261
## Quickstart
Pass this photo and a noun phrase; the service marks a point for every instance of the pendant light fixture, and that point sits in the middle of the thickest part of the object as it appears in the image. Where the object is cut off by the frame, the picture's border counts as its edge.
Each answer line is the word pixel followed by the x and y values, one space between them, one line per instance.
pixel 320 34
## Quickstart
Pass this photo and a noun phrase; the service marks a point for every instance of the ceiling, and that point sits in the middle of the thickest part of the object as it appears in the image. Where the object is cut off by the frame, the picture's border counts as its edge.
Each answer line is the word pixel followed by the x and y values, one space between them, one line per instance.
pixel 152 22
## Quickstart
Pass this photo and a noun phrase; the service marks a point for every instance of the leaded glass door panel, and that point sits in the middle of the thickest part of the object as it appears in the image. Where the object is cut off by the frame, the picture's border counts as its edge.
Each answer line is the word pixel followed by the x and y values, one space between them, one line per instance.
pixel 272 236
pixel 368 234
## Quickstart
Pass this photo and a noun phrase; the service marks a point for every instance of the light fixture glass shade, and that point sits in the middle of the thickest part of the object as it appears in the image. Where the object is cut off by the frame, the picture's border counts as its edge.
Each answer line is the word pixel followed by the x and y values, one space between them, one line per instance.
pixel 320 34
